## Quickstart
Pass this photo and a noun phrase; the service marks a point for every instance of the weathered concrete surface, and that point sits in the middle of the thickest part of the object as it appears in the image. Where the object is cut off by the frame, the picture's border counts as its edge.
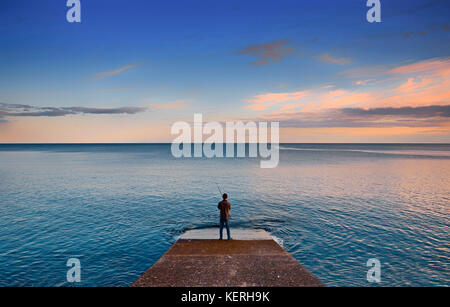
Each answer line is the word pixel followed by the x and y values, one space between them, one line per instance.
pixel 236 263
pixel 236 234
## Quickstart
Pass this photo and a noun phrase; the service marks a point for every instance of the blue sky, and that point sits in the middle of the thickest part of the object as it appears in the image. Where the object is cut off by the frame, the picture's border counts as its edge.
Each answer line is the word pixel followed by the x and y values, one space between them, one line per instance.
pixel 180 57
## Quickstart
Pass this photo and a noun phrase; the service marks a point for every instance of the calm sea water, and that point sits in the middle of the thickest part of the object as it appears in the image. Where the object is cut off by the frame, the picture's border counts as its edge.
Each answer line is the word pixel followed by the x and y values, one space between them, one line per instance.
pixel 118 208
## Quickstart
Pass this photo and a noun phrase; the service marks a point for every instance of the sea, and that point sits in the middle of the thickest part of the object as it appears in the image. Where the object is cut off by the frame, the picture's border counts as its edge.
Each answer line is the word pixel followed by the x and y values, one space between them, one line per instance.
pixel 118 208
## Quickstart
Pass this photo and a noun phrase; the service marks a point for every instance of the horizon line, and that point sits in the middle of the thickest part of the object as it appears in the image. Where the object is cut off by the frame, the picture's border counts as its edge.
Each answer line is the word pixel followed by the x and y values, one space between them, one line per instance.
pixel 169 143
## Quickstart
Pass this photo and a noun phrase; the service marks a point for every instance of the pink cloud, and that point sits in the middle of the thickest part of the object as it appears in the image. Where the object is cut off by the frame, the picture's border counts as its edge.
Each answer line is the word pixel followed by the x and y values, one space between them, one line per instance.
pixel 290 106
pixel 117 71
pixel 403 98
pixel 363 82
pixel 418 84
pixel 263 101
pixel 433 65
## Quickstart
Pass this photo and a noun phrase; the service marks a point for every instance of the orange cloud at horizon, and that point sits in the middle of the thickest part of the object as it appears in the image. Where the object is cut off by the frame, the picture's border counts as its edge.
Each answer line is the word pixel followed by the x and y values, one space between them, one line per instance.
pixel 366 135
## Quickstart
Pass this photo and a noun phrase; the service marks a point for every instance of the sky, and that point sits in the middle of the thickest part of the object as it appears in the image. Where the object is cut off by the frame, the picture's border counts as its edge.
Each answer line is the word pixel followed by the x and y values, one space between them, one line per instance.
pixel 132 68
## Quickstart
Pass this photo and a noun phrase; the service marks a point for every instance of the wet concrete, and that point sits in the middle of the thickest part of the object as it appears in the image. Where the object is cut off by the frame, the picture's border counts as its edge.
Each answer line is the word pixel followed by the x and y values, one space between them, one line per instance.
pixel 248 262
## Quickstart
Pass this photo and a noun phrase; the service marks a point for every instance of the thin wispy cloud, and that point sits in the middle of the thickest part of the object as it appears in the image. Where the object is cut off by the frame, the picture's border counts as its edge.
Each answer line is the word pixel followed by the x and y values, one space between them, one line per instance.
pixel 268 52
pixel 363 82
pixel 425 66
pixel 431 65
pixel 263 101
pixel 411 34
pixel 171 105
pixel 371 71
pixel 327 58
pixel 117 71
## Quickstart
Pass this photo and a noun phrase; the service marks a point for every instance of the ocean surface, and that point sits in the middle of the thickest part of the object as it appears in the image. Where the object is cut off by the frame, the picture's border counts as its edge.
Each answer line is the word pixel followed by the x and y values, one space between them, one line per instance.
pixel 118 208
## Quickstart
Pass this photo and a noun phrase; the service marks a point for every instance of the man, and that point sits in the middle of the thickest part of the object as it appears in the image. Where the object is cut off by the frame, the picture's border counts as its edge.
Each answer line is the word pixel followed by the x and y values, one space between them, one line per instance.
pixel 224 207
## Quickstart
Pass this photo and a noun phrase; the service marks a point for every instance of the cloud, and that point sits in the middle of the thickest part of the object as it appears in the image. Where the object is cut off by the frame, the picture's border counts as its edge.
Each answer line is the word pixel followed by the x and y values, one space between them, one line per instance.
pixel 431 65
pixel 430 29
pixel 268 52
pixel 419 84
pixel 372 71
pixel 327 58
pixel 408 35
pixel 324 97
pixel 429 116
pixel 115 72
pixel 263 101
pixel 171 105
pixel 434 65
pixel 418 112
pixel 121 110
pixel 363 82
pixel 408 95
pixel 20 110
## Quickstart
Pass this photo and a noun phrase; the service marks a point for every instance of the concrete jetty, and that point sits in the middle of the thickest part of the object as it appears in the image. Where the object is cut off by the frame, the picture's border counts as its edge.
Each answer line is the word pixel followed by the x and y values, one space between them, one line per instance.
pixel 251 259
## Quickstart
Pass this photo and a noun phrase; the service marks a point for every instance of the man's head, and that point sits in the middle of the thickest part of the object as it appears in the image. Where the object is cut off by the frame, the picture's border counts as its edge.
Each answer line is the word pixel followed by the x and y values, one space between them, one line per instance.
pixel 225 196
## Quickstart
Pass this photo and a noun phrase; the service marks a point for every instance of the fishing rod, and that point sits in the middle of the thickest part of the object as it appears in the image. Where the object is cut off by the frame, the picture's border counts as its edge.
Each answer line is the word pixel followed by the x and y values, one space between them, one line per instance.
pixel 219 189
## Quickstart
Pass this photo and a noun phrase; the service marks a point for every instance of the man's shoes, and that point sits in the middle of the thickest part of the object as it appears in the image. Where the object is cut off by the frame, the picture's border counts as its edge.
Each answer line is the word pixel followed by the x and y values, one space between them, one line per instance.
pixel 229 239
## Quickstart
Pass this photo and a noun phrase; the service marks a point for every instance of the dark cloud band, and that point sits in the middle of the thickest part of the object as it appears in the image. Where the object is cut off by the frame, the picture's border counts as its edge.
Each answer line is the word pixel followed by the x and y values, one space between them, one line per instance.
pixel 428 116
pixel 20 110
pixel 428 111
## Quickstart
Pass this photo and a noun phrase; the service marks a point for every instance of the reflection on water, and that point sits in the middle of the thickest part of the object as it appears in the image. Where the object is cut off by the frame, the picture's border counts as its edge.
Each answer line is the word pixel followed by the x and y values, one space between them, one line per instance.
pixel 405 151
pixel 118 208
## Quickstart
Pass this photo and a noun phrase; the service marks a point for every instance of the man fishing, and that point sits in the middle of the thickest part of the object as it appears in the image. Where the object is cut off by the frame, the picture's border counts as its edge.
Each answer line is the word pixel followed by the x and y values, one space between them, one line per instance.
pixel 224 207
